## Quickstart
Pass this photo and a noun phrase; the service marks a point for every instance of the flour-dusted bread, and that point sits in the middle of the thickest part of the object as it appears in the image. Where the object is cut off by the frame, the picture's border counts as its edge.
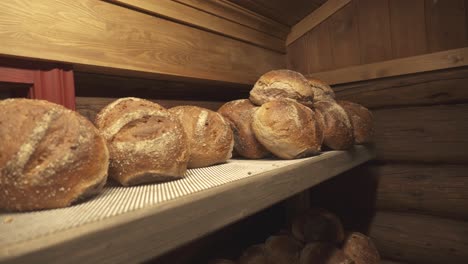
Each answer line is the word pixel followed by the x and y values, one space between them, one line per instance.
pixel 255 254
pixel 287 129
pixel 322 91
pixel 50 156
pixel 146 142
pixel 323 253
pixel 338 131
pixel 317 225
pixel 239 113
pixel 283 249
pixel 360 249
pixel 361 120
pixel 210 135
pixel 279 84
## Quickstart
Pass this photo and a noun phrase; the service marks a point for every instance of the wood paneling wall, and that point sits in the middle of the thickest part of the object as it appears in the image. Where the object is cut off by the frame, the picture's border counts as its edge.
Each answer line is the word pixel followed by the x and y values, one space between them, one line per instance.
pixel 368 31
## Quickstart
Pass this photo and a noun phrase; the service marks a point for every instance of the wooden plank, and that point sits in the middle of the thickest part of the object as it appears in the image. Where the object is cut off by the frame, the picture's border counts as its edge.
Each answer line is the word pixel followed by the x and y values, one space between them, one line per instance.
pixel 374 30
pixel 171 224
pixel 314 19
pixel 344 34
pixel 235 13
pixel 420 239
pixel 426 134
pixel 408 28
pixel 312 52
pixel 440 190
pixel 421 63
pixel 16 75
pixel 445 24
pixel 99 36
pixel 194 17
pixel 438 87
pixel 90 106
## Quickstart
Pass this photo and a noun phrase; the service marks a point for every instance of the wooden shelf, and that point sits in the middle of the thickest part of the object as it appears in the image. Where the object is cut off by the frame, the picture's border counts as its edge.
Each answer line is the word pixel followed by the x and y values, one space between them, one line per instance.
pixel 133 224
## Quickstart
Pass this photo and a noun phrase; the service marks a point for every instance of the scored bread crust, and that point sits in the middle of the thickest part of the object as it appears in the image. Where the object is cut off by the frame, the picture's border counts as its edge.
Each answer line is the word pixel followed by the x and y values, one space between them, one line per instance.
pixel 279 84
pixel 50 156
pixel 288 129
pixel 361 120
pixel 210 135
pixel 239 114
pixel 338 131
pixel 146 143
pixel 322 91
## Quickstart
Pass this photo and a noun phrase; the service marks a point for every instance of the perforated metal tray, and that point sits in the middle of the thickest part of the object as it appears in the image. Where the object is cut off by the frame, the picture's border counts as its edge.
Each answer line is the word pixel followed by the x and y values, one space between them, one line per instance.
pixel 131 224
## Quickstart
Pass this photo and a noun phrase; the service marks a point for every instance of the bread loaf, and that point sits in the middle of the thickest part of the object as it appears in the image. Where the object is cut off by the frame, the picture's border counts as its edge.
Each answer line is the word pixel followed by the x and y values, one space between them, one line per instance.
pixel 239 114
pixel 283 249
pixel 322 91
pixel 338 131
pixel 314 253
pixel 317 225
pixel 146 143
pixel 210 136
pixel 361 121
pixel 254 255
pixel 287 129
pixel 280 84
pixel 360 248
pixel 50 156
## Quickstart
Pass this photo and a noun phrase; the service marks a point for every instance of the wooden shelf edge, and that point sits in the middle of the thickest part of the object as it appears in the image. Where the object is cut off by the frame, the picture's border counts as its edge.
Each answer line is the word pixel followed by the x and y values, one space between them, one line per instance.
pixel 416 64
pixel 149 232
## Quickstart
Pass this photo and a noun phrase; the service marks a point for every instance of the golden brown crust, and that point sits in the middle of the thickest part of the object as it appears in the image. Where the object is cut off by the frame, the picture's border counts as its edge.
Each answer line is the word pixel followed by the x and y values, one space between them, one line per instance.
pixel 50 156
pixel 360 248
pixel 146 143
pixel 210 136
pixel 361 120
pixel 280 84
pixel 338 132
pixel 283 249
pixel 239 113
pixel 318 225
pixel 288 129
pixel 322 91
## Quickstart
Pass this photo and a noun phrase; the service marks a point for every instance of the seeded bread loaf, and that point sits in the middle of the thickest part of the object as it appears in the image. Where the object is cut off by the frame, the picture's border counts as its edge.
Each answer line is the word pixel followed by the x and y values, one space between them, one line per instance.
pixel 146 142
pixel 50 156
pixel 210 137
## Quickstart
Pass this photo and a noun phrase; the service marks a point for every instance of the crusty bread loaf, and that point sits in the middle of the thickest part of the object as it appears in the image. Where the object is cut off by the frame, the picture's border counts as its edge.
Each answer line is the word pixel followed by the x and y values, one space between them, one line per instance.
pixel 338 131
pixel 146 143
pixel 361 120
pixel 279 84
pixel 322 91
pixel 360 248
pixel 287 129
pixel 314 253
pixel 239 114
pixel 318 225
pixel 210 136
pixel 283 249
pixel 49 156
pixel 254 255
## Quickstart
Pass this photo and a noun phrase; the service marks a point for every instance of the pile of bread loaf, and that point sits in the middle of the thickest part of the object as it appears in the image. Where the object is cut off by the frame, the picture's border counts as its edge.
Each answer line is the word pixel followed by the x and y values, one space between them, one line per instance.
pixel 315 237
pixel 51 157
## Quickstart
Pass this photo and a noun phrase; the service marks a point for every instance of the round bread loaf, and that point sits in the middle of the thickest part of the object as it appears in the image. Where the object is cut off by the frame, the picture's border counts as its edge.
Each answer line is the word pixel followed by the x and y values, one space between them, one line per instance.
pixel 318 225
pixel 210 136
pixel 322 91
pixel 338 131
pixel 146 143
pixel 288 129
pixel 314 253
pixel 255 254
pixel 360 248
pixel 361 120
pixel 239 113
pixel 50 156
pixel 283 249
pixel 279 84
